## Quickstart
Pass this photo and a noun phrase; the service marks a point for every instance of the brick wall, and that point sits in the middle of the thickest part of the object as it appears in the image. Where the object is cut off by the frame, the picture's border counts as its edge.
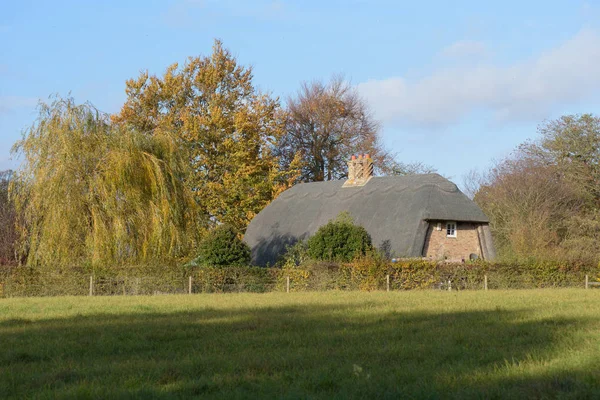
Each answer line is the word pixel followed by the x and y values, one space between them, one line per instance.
pixel 439 247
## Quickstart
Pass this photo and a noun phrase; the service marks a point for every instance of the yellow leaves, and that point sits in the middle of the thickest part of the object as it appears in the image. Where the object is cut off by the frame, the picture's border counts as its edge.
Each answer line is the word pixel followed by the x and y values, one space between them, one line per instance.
pixel 226 129
pixel 100 194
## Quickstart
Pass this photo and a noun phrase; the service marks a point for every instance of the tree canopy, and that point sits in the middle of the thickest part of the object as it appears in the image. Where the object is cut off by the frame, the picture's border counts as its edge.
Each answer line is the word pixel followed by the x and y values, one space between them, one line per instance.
pixel 228 129
pixel 89 192
pixel 572 144
pixel 544 200
pixel 199 146
pixel 325 124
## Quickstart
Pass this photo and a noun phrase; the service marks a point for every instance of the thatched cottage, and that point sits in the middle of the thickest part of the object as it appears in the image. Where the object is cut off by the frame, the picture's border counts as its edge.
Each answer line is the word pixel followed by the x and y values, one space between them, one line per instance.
pixel 407 216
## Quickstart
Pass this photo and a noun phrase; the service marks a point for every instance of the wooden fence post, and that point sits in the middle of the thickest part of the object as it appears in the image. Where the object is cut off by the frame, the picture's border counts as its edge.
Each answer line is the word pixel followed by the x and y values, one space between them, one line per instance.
pixel 91 285
pixel 287 284
pixel 449 286
pixel 485 282
pixel 388 283
pixel 190 285
pixel 587 282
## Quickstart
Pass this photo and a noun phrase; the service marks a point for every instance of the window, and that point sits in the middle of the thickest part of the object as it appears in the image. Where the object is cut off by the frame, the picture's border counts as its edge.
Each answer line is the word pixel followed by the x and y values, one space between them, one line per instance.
pixel 451 229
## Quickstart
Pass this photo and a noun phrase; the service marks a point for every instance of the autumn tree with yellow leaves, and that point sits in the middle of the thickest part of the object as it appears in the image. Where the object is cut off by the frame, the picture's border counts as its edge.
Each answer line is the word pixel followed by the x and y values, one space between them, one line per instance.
pixel 227 128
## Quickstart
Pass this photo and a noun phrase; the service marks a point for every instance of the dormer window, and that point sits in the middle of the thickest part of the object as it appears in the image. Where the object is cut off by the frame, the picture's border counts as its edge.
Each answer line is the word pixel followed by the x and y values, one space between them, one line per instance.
pixel 451 229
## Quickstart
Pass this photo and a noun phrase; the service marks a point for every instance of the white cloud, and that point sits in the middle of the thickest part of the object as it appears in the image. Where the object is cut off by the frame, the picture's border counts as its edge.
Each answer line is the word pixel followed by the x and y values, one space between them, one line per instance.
pixel 464 48
pixel 527 90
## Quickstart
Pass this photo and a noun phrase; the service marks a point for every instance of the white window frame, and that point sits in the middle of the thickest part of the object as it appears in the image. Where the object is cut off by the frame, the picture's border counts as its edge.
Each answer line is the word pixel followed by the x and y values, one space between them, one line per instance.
pixel 451 229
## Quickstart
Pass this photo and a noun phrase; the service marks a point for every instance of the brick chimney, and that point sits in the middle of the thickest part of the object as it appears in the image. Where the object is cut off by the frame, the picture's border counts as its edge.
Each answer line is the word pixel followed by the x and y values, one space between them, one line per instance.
pixel 360 170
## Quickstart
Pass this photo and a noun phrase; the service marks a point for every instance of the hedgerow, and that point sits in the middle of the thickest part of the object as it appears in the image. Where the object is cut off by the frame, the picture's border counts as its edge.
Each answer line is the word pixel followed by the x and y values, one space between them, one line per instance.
pixel 366 273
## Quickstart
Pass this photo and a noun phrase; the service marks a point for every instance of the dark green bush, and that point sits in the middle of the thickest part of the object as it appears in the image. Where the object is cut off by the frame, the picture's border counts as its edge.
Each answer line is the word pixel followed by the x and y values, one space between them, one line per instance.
pixel 339 240
pixel 223 247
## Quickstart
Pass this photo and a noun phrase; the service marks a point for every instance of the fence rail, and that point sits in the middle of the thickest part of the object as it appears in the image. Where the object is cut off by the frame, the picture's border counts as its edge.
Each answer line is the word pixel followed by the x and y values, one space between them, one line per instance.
pixel 90 285
pixel 589 283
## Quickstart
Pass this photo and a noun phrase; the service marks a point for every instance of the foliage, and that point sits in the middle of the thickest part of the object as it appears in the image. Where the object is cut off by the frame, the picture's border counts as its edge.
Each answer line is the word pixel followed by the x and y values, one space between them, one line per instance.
pixel 528 205
pixel 294 255
pixel 370 272
pixel 421 274
pixel 572 144
pixel 365 273
pixel 8 232
pixel 237 279
pixel 339 240
pixel 227 127
pixel 325 125
pixel 92 193
pixel 544 200
pixel 223 247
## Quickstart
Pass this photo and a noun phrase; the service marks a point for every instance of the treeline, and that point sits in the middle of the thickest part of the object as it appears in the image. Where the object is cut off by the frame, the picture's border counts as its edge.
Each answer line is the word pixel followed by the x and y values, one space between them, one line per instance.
pixel 191 149
pixel 200 146
pixel 544 200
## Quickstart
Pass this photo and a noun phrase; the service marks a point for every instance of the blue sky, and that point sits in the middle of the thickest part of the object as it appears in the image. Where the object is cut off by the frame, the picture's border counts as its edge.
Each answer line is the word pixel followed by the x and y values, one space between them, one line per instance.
pixel 454 84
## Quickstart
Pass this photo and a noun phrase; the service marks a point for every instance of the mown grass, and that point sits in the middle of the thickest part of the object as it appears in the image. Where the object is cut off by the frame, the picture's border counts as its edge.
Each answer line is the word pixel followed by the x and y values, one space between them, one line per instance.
pixel 427 344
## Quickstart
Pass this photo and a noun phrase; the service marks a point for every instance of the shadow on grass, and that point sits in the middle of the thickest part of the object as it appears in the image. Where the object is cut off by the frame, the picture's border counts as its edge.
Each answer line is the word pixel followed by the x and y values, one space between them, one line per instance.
pixel 289 352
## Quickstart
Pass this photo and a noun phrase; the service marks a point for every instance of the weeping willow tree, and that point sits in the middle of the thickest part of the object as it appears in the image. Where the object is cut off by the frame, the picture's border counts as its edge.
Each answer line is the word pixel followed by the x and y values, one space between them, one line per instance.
pixel 93 193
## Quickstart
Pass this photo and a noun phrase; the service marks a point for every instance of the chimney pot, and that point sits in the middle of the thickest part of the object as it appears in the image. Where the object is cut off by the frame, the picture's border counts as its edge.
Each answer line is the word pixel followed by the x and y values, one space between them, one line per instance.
pixel 360 170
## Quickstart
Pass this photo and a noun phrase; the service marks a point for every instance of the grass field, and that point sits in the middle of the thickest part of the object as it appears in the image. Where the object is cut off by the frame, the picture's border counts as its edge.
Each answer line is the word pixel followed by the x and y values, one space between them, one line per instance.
pixel 427 344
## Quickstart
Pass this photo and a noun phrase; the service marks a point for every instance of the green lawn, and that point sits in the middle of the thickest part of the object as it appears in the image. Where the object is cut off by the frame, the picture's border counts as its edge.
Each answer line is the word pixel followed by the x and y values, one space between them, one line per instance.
pixel 425 344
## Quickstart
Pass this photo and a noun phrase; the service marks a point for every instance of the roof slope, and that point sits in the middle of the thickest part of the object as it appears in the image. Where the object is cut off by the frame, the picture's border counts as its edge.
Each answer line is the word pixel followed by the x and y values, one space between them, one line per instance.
pixel 394 210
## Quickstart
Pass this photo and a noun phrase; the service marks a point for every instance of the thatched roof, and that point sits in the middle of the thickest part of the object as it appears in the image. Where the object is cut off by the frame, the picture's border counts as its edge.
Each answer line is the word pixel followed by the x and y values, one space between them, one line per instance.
pixel 394 210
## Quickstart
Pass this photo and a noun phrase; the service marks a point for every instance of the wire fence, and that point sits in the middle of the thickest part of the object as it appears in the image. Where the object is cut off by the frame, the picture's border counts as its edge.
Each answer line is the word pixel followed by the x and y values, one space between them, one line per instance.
pixel 90 285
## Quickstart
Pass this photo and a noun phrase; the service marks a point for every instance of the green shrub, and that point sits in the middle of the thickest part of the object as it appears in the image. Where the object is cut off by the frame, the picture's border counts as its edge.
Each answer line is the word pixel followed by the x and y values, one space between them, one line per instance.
pixel 294 256
pixel 223 247
pixel 339 240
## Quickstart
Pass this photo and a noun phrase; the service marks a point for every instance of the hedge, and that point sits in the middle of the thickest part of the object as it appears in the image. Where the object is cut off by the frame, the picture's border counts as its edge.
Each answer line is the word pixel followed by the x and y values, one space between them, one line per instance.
pixel 366 273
